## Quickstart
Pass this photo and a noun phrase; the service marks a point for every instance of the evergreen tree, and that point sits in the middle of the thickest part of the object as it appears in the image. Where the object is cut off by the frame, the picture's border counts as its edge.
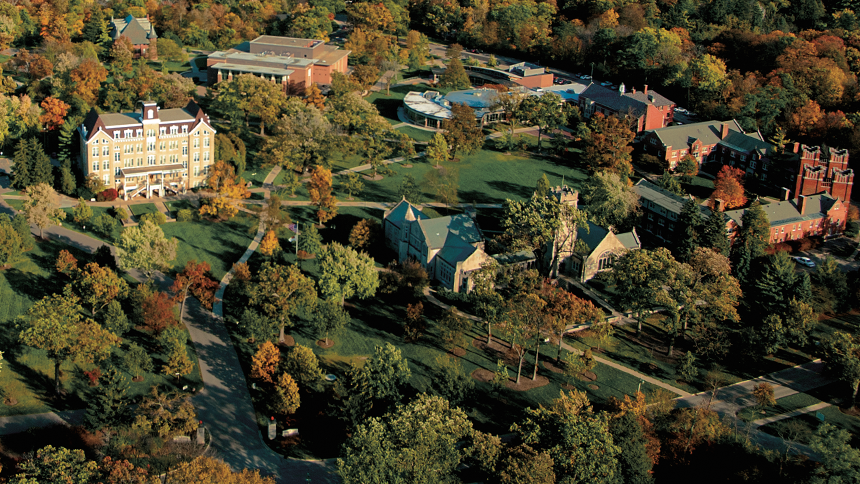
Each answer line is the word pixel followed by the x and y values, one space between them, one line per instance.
pixel 690 224
pixel 633 461
pixel 114 318
pixel 22 226
pixel 715 236
pixel 96 30
pixel 66 182
pixel 355 396
pixel 310 240
pixel 21 177
pixel 455 76
pixel 542 189
pixel 754 240
pixel 41 170
pixel 107 405
pixel 776 284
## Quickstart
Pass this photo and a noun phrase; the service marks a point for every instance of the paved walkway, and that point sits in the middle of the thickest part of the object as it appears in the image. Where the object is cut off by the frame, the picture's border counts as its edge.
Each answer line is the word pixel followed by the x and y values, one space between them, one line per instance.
pixel 16 424
pixel 793 413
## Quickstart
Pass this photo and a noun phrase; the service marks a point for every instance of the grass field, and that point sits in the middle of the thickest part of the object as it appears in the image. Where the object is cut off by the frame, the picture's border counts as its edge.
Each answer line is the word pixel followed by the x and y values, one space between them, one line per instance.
pixel 256 175
pixel 783 405
pixel 810 423
pixel 27 373
pixel 142 208
pixel 86 228
pixel 218 243
pixel 416 134
pixel 387 104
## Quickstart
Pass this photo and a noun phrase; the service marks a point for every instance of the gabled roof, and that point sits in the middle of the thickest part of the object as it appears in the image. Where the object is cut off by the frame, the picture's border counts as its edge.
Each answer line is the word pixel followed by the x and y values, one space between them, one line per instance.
pixel 597 234
pixel 398 214
pixel 443 231
pixel 787 211
pixel 747 143
pixel 106 121
pixel 708 132
pixel 138 30
pixel 636 103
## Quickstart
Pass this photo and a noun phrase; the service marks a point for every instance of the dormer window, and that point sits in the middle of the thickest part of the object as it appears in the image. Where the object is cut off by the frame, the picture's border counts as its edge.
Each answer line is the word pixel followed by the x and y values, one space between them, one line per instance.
pixel 174 130
pixel 184 129
pixel 162 131
pixel 116 134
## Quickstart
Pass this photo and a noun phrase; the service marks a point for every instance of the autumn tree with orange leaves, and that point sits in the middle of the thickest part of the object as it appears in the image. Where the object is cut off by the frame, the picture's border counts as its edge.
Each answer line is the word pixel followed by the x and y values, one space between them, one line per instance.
pixel 269 245
pixel 729 187
pixel 54 114
pixel 195 278
pixel 319 188
pixel 264 363
pixel 87 79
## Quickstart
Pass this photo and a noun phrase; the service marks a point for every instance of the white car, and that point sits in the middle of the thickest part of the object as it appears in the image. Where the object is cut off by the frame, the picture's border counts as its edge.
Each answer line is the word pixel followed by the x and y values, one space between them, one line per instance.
pixel 607 83
pixel 586 77
pixel 804 261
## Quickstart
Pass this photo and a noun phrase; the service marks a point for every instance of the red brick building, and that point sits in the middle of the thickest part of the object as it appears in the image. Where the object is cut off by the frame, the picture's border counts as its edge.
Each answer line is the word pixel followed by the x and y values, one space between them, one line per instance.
pixel 648 109
pixel 808 215
pixel 140 32
pixel 823 169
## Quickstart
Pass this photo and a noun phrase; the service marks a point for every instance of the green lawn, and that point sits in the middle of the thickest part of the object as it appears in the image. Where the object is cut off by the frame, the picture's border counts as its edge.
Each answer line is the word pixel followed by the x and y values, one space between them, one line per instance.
pixel 27 373
pixel 176 206
pixel 810 423
pixel 171 66
pixel 201 62
pixel 86 228
pixel 256 175
pixel 417 134
pixel 143 208
pixel 783 405
pixel 218 243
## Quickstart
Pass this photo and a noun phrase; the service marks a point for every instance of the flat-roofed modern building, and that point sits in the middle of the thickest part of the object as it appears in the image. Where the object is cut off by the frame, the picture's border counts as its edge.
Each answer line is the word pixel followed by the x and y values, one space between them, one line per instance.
pixel 149 152
pixel 280 59
pixel 431 108
pixel 523 74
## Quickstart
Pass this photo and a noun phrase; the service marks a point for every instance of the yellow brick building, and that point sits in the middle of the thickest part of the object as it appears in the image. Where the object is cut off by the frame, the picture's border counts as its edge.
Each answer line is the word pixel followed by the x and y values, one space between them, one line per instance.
pixel 152 152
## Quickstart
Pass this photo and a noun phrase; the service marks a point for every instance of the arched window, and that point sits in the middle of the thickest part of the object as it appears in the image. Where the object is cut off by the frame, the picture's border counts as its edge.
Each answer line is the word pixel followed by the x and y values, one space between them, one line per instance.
pixel 605 261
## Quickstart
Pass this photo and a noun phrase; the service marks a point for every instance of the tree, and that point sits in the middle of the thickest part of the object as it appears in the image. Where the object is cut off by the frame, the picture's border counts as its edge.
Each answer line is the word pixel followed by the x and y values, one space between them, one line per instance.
pixel 265 361
pixel 156 309
pixel 455 76
pixel 690 225
pixel 314 97
pixel 763 395
pixel 417 443
pixel 21 176
pixel 54 113
pixel 249 95
pixel 542 188
pixel 639 276
pixel 452 382
pixel 178 362
pixel 578 441
pixel 98 286
pixel 11 245
pixel 688 167
pixel 353 184
pixel 563 309
pixel 355 398
pixel 82 212
pixel 228 190
pixel 195 278
pixel 54 324
pixel 269 245
pixel 280 292
pixel 610 201
pixel 409 189
pixel 754 240
pixel 57 465
pixel 363 233
pixel 728 187
pixel 606 145
pixel 302 364
pixel 345 273
pixel 319 189
pixel 524 465
pixel 329 318
pixel 523 318
pixel 166 414
pixel 687 368
pixel 96 29
pixel 547 112
pixel 168 50
pixel 842 360
pixel 634 465
pixel 87 78
pixel 137 361
pixel 668 182
pixel 444 183
pixel 22 225
pixel 286 399
pixel 146 248
pixel 437 150
pixel 451 325
pixel 208 469
pixel 114 319
pixel 839 461
pixel 714 234
pixel 42 207
pixel 461 131
pixel 387 372
pixel 310 240
pixel 107 405
pixel 415 325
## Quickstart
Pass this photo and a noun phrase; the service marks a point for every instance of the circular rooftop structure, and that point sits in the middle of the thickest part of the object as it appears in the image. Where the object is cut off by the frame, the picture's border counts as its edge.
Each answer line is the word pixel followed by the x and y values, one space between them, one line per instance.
pixel 430 108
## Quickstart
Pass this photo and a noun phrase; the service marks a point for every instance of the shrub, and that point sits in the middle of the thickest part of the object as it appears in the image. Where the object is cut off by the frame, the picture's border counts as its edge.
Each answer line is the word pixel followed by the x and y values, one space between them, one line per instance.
pixel 120 213
pixel 185 215
pixel 157 218
pixel 108 195
pixel 93 375
pixel 104 225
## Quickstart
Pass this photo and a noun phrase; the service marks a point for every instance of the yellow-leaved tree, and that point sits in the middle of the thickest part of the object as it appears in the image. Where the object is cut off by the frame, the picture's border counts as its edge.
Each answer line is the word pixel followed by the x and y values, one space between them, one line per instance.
pixel 228 190
pixel 269 245
pixel 319 188
pixel 286 399
pixel 264 363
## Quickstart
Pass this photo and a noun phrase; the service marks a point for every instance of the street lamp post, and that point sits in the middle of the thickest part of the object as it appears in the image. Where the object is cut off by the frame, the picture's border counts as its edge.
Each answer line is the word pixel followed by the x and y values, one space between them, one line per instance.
pixel 639 389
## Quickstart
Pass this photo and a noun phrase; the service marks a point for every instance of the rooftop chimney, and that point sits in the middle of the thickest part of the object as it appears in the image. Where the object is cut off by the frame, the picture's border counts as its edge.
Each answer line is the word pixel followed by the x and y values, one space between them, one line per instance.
pixel 645 91
pixel 634 90
pixel 719 205
pixel 801 204
pixel 724 130
pixel 796 147
pixel 785 194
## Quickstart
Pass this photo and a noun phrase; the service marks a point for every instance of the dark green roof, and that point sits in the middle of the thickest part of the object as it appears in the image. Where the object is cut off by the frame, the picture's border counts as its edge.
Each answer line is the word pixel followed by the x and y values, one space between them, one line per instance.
pixel 786 212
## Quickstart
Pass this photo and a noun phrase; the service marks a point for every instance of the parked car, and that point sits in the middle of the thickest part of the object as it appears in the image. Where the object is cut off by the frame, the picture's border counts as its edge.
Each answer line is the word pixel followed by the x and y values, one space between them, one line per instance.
pixel 806 261
pixel 606 83
pixel 680 110
pixel 586 77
